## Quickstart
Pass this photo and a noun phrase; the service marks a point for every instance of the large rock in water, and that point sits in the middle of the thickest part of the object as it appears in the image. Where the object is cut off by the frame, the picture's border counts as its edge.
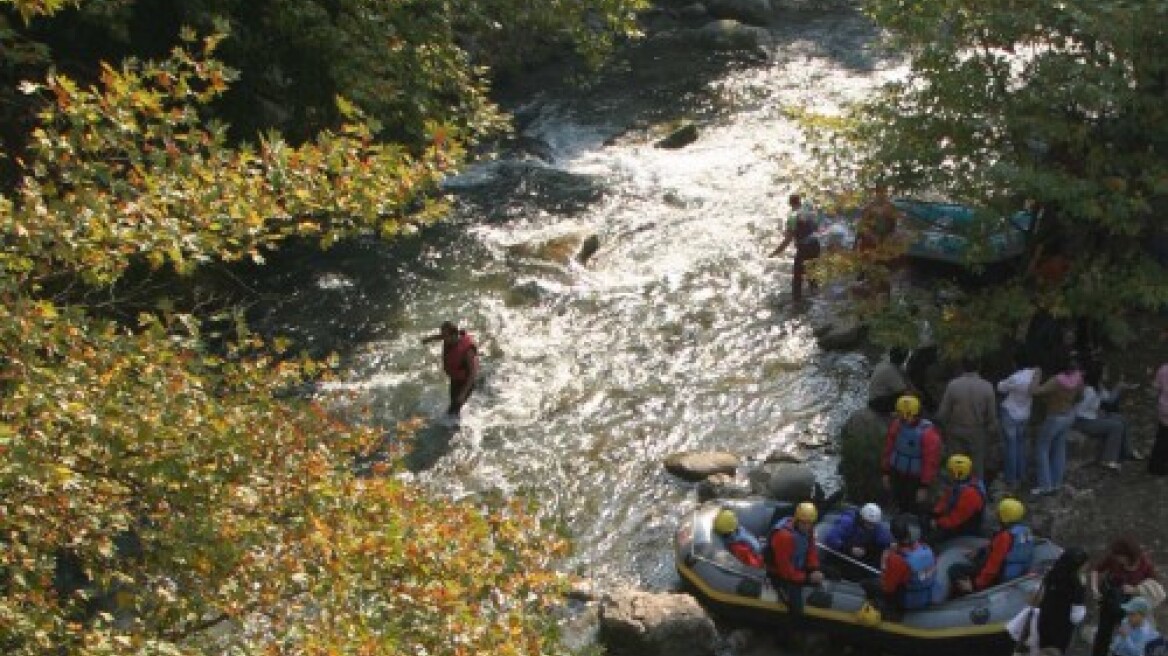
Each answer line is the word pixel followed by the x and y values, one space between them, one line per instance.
pixel 680 137
pixel 861 443
pixel 752 12
pixel 697 465
pixel 637 623
pixel 784 481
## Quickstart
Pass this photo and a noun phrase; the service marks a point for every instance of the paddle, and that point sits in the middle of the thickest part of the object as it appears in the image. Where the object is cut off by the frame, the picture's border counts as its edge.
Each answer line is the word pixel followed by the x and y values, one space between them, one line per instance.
pixel 848 558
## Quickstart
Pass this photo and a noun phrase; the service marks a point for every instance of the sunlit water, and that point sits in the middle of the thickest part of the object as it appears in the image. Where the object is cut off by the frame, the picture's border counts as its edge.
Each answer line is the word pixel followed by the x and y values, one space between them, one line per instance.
pixel 675 336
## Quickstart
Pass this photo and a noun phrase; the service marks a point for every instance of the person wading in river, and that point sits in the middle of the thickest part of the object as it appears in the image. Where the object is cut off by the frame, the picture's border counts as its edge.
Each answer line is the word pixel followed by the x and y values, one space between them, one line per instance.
pixel 460 361
pixel 800 228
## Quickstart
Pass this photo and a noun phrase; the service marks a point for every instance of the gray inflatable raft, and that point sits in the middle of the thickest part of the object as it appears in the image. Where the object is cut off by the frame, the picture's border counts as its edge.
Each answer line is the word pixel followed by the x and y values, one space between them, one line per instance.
pixel 972 625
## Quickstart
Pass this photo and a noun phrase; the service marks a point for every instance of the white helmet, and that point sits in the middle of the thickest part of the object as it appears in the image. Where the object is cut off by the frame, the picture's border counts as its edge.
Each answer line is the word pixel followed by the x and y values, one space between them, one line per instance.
pixel 870 513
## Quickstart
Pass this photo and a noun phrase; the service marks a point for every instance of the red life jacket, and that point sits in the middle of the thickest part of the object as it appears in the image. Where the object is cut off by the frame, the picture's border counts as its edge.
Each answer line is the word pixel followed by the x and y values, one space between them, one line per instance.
pixel 454 357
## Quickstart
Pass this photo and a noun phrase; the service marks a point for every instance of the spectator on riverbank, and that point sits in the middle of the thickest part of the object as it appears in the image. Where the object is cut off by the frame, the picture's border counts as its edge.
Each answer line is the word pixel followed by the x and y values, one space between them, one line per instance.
pixel 1019 389
pixel 1093 420
pixel 1115 579
pixel 800 227
pixel 1063 603
pixel 1135 632
pixel 968 411
pixel 1050 451
pixel 888 382
pixel 1158 459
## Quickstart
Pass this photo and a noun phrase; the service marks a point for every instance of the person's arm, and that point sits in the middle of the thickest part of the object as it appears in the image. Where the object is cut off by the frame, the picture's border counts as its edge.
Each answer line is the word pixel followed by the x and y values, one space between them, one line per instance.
pixel 437 337
pixel 744 553
pixel 782 548
pixel 1049 386
pixel 835 537
pixel 788 237
pixel 1078 604
pixel 968 504
pixel 1035 380
pixel 988 574
pixel 882 538
pixel 946 405
pixel 930 456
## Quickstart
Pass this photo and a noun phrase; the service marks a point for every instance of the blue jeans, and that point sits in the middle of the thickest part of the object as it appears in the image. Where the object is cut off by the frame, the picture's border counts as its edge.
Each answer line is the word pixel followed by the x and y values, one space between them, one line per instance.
pixel 1050 451
pixel 1014 448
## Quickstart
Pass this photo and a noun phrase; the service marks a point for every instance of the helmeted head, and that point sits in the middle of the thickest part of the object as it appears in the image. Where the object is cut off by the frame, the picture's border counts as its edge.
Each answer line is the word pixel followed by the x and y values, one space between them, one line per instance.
pixel 870 513
pixel 806 512
pixel 908 407
pixel 726 522
pixel 449 331
pixel 960 466
pixel 900 529
pixel 1011 511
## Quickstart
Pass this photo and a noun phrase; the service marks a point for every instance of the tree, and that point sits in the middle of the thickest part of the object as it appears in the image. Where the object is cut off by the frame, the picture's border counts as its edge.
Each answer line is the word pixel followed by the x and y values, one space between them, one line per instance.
pixel 1015 100
pixel 155 485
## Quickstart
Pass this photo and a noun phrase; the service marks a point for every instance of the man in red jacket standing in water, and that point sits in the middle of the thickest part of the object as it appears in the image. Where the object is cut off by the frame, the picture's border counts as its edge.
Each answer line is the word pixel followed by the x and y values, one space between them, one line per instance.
pixel 460 361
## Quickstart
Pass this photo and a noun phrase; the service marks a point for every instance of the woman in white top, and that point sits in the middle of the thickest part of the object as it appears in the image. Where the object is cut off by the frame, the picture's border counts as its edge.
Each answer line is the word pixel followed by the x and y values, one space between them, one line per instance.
pixel 1111 427
pixel 1015 415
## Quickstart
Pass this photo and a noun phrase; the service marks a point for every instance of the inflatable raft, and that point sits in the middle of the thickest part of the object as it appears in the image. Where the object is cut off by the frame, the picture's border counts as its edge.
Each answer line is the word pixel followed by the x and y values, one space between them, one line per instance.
pixel 972 625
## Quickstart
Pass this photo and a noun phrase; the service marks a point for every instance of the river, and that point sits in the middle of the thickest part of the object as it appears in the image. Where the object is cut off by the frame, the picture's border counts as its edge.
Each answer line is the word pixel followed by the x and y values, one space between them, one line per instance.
pixel 676 335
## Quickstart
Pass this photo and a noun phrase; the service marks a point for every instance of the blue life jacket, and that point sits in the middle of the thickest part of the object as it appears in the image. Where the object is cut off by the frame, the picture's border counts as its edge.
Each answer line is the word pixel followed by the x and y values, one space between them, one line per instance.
pixel 922 566
pixel 741 535
pixel 907 452
pixel 973 524
pixel 1021 553
pixel 802 544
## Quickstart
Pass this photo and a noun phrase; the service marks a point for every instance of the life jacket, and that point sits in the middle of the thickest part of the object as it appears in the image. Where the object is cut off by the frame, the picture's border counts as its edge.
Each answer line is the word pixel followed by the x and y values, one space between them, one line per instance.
pixel 973 524
pixel 741 535
pixel 922 568
pixel 454 357
pixel 907 451
pixel 1021 553
pixel 802 544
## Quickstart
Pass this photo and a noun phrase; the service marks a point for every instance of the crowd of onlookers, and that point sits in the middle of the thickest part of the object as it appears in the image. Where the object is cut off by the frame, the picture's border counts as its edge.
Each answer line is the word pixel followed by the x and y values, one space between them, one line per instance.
pixel 987 430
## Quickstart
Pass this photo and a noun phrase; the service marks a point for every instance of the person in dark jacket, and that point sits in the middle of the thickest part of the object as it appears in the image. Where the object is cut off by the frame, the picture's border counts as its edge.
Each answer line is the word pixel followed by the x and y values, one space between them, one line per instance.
pixel 859 534
pixel 1114 580
pixel 1063 603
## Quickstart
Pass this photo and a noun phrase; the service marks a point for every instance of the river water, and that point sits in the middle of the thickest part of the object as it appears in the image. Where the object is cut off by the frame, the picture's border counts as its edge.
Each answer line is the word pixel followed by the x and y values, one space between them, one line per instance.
pixel 677 335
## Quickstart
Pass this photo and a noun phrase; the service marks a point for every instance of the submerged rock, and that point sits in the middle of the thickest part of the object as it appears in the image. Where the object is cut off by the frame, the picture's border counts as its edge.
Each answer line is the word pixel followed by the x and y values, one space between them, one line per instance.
pixel 680 138
pixel 637 623
pixel 752 12
pixel 784 481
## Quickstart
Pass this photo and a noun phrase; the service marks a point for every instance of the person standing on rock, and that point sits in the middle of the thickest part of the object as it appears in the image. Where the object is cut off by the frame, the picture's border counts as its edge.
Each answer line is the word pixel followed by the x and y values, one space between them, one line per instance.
pixel 1158 459
pixel 801 228
pixel 460 361
pixel 968 411
pixel 794 556
pixel 888 382
pixel 1019 389
pixel 1050 450
pixel 911 458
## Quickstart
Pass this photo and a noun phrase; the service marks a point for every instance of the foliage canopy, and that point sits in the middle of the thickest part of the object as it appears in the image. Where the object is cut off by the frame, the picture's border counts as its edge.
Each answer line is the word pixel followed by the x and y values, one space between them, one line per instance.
pixel 1006 101
pixel 154 485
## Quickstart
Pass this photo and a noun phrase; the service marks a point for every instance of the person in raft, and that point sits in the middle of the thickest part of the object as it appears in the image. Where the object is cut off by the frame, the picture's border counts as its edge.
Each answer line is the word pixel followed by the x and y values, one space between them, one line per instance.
pixel 460 361
pixel 742 543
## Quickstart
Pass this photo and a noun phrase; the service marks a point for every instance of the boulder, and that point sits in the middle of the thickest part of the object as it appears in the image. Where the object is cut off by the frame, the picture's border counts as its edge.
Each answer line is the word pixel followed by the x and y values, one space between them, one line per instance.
pixel 680 137
pixel 697 465
pixel 588 248
pixel 751 12
pixel 692 12
pixel 723 486
pixel 840 332
pixel 637 623
pixel 560 249
pixel 728 35
pixel 784 481
pixel 861 443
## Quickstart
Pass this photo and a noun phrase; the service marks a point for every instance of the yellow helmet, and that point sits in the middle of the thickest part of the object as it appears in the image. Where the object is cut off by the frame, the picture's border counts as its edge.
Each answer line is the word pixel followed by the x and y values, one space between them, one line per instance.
pixel 908 406
pixel 868 615
pixel 959 466
pixel 806 512
pixel 726 521
pixel 1010 510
